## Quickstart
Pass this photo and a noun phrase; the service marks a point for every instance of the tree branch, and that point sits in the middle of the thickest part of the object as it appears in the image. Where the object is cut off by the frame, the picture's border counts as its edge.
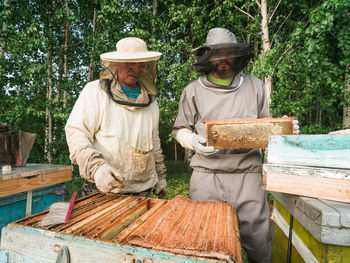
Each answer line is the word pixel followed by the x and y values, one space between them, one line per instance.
pixel 278 61
pixel 285 20
pixel 257 2
pixel 274 10
pixel 244 12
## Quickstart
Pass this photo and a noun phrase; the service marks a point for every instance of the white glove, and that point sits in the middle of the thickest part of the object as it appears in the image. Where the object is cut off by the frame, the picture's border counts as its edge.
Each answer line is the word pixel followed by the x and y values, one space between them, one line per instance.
pixel 106 178
pixel 198 141
pixel 160 188
pixel 295 123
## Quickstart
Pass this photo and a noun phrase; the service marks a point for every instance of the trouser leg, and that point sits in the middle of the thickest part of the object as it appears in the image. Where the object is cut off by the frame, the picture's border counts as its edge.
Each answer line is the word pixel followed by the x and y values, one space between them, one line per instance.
pixel 245 193
pixel 251 205
pixel 205 187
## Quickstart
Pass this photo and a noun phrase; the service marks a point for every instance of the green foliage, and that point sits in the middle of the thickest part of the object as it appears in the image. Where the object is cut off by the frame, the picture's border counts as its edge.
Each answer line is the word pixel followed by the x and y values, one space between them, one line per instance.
pixel 309 57
pixel 309 69
pixel 75 185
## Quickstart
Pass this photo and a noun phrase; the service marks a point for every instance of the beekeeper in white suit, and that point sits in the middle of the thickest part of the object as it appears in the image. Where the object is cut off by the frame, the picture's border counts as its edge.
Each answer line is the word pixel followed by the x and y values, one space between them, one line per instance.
pixel 112 131
pixel 233 176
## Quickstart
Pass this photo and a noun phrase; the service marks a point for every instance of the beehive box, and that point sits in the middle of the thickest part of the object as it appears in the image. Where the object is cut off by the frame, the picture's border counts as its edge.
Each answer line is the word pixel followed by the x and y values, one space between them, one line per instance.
pixel 119 228
pixel 320 229
pixel 13 207
pixel 31 189
pixel 246 133
pixel 309 165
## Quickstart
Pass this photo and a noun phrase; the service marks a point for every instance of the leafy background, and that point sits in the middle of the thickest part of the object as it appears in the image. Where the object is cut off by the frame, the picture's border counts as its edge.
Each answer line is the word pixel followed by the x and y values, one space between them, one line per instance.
pixel 49 49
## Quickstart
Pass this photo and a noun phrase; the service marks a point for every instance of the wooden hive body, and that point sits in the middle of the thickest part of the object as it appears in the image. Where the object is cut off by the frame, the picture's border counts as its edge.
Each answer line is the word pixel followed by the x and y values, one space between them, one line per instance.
pixel 123 228
pixel 309 165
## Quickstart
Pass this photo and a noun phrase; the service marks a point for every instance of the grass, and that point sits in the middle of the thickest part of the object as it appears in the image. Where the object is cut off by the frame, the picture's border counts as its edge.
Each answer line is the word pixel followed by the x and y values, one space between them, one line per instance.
pixel 178 179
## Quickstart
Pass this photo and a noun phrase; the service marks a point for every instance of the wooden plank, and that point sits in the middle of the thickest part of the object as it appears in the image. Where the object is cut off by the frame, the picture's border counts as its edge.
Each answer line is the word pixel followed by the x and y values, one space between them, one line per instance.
pixel 308 171
pixel 311 150
pixel 29 203
pixel 123 235
pixel 312 186
pixel 33 169
pixel 246 133
pixel 25 244
pixel 19 185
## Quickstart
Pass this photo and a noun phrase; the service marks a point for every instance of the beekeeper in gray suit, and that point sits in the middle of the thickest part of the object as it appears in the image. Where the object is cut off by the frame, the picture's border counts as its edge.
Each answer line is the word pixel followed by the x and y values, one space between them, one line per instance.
pixel 112 131
pixel 233 176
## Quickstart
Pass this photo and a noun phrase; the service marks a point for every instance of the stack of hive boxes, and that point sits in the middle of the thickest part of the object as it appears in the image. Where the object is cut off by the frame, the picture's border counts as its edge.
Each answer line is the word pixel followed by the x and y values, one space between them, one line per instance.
pixel 309 176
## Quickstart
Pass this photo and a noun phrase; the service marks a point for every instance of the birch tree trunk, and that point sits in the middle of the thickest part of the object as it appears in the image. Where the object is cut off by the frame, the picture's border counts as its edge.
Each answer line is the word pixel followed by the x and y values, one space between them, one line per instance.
pixel 4 29
pixel 48 129
pixel 155 5
pixel 65 50
pixel 266 42
pixel 91 66
pixel 346 114
pixel 48 115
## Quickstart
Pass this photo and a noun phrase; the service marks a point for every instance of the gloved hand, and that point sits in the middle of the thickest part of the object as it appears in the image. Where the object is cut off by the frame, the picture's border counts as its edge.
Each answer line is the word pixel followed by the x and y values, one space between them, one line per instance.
pixel 107 178
pixel 160 188
pixel 295 123
pixel 198 141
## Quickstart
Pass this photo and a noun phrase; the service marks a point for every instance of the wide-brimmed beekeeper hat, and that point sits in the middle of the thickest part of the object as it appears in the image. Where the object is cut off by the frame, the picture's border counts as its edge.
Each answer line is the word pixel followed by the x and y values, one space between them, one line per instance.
pixel 131 49
pixel 221 42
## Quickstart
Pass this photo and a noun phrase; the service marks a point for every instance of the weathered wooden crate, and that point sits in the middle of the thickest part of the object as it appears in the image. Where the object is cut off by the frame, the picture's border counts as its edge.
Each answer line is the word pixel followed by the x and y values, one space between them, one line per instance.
pixel 119 228
pixel 326 183
pixel 15 147
pixel 33 176
pixel 309 165
pixel 320 229
pixel 246 133
pixel 31 189
pixel 13 207
pixel 332 151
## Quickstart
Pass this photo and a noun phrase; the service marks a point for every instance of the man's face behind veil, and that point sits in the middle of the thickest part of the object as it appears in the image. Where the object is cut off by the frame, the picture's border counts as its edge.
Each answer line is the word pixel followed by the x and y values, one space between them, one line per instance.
pixel 222 63
pixel 129 73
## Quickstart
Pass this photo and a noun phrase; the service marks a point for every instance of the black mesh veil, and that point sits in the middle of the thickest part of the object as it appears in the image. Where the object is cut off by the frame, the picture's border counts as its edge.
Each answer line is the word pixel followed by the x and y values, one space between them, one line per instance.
pixel 238 55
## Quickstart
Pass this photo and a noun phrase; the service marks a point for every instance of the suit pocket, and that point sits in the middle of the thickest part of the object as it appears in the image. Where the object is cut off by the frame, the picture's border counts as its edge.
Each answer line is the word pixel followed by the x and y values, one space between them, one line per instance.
pixel 140 165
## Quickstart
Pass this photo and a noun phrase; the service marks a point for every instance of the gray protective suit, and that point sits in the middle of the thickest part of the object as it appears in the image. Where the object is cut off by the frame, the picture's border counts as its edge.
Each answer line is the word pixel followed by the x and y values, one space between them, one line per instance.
pixel 232 176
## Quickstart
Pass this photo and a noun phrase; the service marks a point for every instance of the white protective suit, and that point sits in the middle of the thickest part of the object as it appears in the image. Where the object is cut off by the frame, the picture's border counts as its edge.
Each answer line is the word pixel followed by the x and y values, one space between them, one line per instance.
pixel 100 131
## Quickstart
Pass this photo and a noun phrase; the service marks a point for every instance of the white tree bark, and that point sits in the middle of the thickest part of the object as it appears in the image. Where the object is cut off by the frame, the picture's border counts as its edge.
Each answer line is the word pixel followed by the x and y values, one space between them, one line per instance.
pixel 155 5
pixel 49 91
pixel 4 29
pixel 48 115
pixel 346 114
pixel 266 41
pixel 65 57
pixel 91 66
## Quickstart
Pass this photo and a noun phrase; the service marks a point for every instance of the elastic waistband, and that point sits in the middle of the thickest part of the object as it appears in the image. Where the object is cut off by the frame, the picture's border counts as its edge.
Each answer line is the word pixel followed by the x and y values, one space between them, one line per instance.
pixel 206 170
